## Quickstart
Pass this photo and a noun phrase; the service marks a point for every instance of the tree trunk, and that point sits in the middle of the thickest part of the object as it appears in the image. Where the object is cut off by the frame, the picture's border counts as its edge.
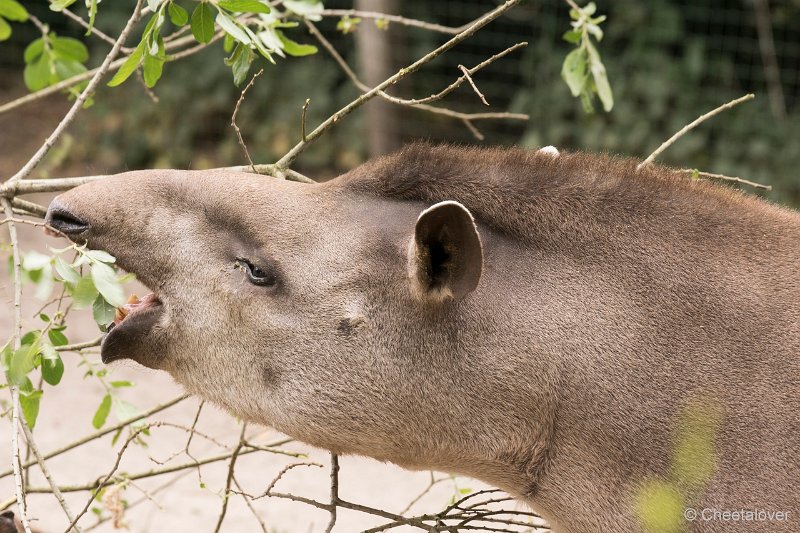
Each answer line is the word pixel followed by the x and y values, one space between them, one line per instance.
pixel 375 62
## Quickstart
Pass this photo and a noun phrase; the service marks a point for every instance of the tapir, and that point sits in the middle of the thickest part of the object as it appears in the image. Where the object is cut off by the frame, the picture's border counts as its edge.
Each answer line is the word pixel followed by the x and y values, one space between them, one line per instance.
pixel 575 329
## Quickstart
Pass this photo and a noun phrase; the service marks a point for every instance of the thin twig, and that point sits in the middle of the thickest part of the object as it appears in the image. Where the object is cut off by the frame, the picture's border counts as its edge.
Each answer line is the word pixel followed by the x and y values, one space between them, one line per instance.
pixel 236 112
pixel 30 207
pixel 106 479
pixel 474 87
pixel 473 129
pixel 734 179
pixel 334 491
pixel 64 184
pixel 104 432
pixel 78 346
pixel 15 405
pixel 292 154
pixel 96 485
pixel 250 506
pixel 303 119
pixel 79 101
pixel 97 33
pixel 669 142
pixel 404 21
pixel 229 480
pixel 422 103
pixel 46 473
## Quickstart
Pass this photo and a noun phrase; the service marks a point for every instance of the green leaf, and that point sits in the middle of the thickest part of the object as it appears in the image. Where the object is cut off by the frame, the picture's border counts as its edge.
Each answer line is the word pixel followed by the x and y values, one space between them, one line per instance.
pixel 57 338
pixel 125 410
pixel 69 49
pixel 100 255
pixel 232 28
pixel 84 293
pixel 13 10
pixel 37 74
pixel 574 71
pixel 295 49
pixel 29 401
pixel 129 66
pixel 52 365
pixel 603 87
pixel 5 356
pixel 59 5
pixel 22 361
pixel 572 36
pixel 177 14
pixel 120 384
pixel 92 7
pixel 101 414
pixel 67 273
pixel 67 69
pixel 600 77
pixel 244 6
pixel 105 280
pixel 31 337
pixel 153 67
pixel 348 24
pixel 34 50
pixel 227 43
pixel 240 62
pixel 310 10
pixel 5 30
pixel 35 261
pixel 595 30
pixel 203 23
pixel 102 311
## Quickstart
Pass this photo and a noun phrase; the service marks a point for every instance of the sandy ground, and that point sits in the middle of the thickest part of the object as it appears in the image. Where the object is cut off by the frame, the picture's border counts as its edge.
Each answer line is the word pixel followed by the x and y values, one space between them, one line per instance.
pixel 67 411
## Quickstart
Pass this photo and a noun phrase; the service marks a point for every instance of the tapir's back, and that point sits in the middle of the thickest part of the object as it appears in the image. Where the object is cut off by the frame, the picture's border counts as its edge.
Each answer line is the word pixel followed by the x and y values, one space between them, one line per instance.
pixel 671 308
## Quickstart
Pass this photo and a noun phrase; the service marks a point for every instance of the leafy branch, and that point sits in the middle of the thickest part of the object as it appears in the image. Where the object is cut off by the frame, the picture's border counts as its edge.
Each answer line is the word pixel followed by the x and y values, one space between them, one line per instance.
pixel 583 70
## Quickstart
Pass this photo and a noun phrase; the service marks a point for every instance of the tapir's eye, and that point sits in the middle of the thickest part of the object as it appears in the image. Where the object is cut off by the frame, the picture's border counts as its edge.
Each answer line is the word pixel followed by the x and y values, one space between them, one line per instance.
pixel 256 274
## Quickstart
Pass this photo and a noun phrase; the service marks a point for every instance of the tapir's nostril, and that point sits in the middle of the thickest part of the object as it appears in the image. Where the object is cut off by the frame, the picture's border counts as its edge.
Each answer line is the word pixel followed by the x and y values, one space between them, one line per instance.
pixel 62 220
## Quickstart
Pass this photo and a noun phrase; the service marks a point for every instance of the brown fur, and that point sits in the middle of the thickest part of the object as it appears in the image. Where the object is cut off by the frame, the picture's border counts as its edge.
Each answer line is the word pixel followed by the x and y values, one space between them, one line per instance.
pixel 611 304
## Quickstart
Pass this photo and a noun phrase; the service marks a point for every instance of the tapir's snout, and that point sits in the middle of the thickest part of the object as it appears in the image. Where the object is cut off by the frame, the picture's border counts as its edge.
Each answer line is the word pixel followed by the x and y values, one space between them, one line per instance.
pixel 65 221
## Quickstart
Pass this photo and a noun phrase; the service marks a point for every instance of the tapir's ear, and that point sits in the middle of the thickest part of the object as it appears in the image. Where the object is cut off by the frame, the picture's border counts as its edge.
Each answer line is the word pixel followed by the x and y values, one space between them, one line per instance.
pixel 446 256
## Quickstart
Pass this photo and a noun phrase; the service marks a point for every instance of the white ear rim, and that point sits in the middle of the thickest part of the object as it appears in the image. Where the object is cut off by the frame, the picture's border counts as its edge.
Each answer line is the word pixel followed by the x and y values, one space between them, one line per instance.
pixel 549 150
pixel 436 206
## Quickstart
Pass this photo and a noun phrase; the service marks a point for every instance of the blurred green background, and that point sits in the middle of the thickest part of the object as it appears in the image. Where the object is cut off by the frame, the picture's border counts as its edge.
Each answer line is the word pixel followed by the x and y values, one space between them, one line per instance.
pixel 668 61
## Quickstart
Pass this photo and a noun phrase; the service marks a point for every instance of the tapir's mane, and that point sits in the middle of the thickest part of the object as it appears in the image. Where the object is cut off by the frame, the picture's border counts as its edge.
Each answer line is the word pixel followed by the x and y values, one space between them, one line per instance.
pixel 534 196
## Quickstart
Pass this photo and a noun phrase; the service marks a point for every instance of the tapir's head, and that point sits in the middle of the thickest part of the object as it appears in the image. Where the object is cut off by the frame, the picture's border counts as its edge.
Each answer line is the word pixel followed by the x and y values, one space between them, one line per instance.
pixel 285 302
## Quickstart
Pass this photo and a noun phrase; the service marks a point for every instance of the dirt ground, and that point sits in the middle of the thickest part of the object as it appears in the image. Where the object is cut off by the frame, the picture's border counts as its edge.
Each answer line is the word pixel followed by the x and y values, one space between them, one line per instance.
pixel 67 411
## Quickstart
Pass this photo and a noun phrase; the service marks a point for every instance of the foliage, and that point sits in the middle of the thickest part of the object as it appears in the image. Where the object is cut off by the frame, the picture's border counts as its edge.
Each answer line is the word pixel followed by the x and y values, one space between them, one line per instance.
pixel 660 64
pixel 89 280
pixel 10 10
pixel 583 71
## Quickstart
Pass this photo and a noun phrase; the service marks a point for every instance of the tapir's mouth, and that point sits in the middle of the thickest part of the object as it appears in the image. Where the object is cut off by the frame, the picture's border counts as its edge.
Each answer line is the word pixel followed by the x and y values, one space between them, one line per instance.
pixel 132 323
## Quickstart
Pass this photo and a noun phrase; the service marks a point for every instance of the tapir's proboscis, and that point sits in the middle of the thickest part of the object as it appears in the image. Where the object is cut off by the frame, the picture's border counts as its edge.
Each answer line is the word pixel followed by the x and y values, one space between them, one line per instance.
pixel 566 327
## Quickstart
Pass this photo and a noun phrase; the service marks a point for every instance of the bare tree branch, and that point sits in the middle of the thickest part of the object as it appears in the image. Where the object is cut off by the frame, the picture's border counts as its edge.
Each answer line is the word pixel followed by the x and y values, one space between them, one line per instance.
pixel 14 389
pixel 292 154
pixel 669 142
pixel 397 19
